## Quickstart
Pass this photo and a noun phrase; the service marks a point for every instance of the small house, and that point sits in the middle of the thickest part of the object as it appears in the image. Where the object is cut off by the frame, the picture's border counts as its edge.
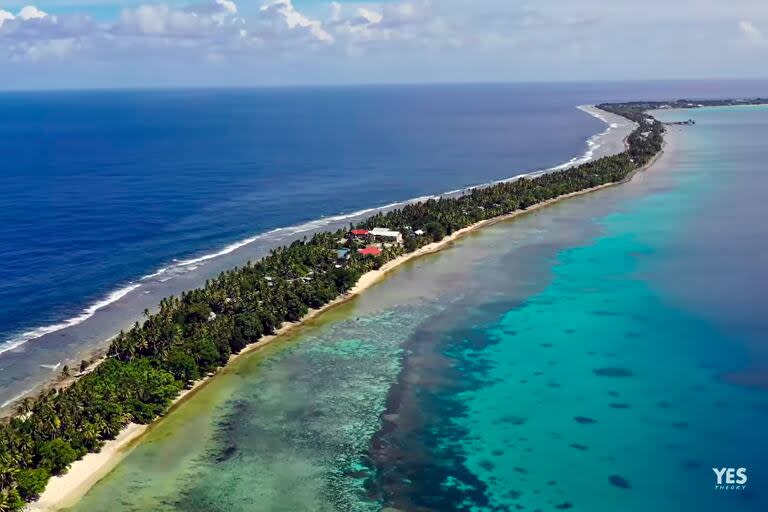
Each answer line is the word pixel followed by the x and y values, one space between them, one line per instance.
pixel 342 254
pixel 386 235
pixel 370 251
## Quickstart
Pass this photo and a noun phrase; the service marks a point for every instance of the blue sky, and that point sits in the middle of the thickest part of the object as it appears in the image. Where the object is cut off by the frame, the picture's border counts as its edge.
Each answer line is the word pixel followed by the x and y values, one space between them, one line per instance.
pixel 129 43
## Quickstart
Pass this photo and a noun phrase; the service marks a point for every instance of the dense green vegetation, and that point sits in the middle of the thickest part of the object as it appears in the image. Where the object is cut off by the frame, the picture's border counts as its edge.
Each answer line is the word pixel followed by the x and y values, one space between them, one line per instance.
pixel 194 334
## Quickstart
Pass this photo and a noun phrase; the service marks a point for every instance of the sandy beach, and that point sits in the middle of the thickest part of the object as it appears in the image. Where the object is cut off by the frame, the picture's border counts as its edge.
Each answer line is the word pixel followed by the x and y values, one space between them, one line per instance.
pixel 64 490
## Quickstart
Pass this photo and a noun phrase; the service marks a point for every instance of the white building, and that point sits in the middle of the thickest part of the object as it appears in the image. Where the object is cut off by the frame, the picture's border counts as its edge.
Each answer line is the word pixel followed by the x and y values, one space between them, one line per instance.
pixel 386 235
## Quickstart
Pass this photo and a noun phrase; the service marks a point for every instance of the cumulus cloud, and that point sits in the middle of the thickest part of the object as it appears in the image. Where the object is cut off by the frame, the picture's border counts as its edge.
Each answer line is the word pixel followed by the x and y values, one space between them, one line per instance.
pixel 6 16
pixel 751 32
pixel 329 31
pixel 376 26
pixel 216 26
pixel 294 19
pixel 161 20
pixel 32 34
pixel 31 12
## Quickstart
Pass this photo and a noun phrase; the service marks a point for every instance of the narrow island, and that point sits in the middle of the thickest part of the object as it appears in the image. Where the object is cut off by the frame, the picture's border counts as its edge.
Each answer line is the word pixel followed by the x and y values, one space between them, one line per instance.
pixel 191 336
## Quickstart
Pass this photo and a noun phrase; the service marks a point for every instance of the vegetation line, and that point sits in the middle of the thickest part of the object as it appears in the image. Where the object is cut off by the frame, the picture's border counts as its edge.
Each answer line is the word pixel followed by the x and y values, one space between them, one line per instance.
pixel 193 335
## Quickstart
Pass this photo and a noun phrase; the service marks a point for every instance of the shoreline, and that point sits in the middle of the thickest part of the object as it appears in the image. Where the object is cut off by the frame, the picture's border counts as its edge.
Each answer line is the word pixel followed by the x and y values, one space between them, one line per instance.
pixel 65 490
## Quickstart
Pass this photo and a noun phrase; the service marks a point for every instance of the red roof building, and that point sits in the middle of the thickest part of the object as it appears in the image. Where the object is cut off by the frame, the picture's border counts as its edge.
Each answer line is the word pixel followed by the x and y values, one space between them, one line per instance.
pixel 359 232
pixel 370 251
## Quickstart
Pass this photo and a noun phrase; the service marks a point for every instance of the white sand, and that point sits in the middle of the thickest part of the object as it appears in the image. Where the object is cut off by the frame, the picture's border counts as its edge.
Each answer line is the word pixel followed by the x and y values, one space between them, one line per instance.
pixel 64 490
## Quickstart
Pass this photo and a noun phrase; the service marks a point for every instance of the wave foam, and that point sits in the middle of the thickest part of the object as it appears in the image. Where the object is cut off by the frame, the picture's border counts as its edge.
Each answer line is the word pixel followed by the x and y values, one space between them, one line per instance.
pixel 87 313
pixel 17 397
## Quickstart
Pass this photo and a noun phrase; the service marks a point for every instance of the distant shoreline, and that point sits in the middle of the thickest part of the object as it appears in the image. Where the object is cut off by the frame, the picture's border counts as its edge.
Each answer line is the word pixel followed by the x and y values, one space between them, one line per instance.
pixel 65 490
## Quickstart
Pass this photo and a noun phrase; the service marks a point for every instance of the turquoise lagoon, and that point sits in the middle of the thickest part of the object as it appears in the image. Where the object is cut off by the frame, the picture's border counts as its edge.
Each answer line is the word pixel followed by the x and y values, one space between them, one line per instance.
pixel 601 354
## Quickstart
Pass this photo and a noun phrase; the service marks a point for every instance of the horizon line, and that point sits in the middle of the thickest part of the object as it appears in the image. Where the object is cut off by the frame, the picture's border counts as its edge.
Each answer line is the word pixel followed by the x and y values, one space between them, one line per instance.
pixel 190 87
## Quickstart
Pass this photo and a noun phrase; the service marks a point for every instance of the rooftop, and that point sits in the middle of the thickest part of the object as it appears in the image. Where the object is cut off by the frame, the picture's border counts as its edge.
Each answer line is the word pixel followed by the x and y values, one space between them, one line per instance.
pixel 384 232
pixel 370 251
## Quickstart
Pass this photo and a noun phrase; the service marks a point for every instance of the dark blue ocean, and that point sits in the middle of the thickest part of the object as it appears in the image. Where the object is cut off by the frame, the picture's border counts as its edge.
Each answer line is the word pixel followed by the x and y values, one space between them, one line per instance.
pixel 99 189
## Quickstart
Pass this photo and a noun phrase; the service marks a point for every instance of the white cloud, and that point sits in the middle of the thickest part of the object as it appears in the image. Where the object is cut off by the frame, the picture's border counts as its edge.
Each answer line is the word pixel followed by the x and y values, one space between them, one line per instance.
pixel 372 17
pixel 400 39
pixel 751 32
pixel 416 25
pixel 160 20
pixel 228 6
pixel 31 12
pixel 34 35
pixel 295 19
pixel 6 16
pixel 217 27
pixel 336 9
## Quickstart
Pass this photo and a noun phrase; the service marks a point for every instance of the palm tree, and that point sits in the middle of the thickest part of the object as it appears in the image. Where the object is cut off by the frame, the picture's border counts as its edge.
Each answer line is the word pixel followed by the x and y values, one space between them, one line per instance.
pixel 25 406
pixel 7 476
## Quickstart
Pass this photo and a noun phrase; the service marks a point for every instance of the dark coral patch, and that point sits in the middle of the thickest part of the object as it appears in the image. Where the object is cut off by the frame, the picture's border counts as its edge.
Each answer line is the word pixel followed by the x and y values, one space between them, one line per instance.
pixel 227 453
pixel 581 447
pixel 487 465
pixel 620 482
pixel 513 420
pixel 522 471
pixel 564 506
pixel 613 372
pixel 584 420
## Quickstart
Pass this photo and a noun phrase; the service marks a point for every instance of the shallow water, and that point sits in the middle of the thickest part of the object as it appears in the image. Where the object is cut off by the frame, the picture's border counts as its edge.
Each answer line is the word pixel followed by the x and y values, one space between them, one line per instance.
pixel 600 354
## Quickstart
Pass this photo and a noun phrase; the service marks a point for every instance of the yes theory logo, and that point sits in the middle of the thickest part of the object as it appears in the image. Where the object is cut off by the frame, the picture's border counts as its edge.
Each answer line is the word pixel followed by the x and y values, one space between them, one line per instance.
pixel 730 479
